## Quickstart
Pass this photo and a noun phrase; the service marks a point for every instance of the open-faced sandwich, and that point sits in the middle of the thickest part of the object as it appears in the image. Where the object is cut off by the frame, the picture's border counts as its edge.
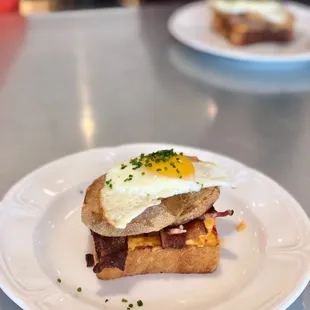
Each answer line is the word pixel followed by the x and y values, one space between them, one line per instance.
pixel 245 22
pixel 154 214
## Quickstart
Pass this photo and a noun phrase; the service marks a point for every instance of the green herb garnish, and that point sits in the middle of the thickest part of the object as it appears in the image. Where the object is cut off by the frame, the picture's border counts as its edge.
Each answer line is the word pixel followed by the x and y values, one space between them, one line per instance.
pixel 139 303
pixel 155 157
pixel 59 280
pixel 123 166
pixel 130 305
pixel 106 300
pixel 143 173
pixel 79 289
pixel 124 300
pixel 158 169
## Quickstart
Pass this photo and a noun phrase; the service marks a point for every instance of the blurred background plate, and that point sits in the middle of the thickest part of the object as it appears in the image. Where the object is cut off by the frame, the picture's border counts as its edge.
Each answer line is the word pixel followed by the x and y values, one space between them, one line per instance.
pixel 191 25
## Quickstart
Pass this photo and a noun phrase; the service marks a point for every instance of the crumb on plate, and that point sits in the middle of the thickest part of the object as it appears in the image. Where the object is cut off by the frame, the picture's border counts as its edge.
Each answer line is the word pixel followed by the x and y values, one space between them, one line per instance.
pixel 241 226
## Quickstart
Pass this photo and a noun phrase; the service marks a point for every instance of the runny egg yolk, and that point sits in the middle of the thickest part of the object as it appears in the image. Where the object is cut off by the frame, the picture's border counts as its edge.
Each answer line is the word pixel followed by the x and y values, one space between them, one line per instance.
pixel 177 166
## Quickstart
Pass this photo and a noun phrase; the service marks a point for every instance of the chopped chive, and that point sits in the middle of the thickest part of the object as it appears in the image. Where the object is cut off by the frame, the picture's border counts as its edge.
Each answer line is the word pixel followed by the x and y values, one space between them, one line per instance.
pixel 180 177
pixel 79 289
pixel 130 175
pixel 124 300
pixel 59 280
pixel 166 168
pixel 123 166
pixel 181 153
pixel 178 171
pixel 157 160
pixel 130 305
pixel 143 173
pixel 172 164
pixel 139 303
pixel 158 169
pixel 110 185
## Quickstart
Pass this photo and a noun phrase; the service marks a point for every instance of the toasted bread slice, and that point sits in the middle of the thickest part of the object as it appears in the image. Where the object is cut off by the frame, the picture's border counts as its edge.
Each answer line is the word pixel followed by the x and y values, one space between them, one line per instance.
pixel 197 253
pixel 191 259
pixel 175 210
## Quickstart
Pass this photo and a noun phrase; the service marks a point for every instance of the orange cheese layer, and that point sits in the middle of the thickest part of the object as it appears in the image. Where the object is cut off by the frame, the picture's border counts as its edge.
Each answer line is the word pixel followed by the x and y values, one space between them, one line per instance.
pixel 209 239
pixel 137 241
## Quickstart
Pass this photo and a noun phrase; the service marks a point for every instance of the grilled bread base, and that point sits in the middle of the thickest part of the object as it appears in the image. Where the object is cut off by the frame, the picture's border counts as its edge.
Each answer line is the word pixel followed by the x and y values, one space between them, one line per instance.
pixel 191 259
pixel 251 28
pixel 172 211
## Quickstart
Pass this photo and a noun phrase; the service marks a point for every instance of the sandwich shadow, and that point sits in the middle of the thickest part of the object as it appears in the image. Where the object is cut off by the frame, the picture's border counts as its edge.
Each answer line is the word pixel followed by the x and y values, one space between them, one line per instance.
pixel 225 253
pixel 126 284
pixel 225 227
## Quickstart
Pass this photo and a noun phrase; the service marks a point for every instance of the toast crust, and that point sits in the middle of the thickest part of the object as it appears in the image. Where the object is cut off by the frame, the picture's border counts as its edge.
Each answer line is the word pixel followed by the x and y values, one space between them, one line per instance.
pixel 175 210
pixel 191 259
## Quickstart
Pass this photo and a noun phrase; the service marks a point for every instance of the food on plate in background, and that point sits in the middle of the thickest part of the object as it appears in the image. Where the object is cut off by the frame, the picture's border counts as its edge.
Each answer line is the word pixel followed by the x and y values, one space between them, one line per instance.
pixel 245 22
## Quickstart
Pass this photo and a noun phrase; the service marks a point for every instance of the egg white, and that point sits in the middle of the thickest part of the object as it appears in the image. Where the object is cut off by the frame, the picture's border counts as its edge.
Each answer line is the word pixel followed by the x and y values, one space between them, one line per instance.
pixel 125 200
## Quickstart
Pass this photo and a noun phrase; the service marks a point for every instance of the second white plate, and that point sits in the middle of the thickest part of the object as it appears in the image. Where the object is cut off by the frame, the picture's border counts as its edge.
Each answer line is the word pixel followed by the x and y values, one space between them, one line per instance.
pixel 191 25
pixel 42 238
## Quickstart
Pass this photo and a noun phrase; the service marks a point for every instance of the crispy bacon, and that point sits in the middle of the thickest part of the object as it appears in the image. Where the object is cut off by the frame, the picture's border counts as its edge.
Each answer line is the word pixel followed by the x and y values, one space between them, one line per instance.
pixel 111 252
pixel 175 241
pixel 212 213
pixel 90 262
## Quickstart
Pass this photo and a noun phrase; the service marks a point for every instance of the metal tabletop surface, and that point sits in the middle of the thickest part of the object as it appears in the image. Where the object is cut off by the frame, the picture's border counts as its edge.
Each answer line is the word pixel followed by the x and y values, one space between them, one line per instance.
pixel 76 80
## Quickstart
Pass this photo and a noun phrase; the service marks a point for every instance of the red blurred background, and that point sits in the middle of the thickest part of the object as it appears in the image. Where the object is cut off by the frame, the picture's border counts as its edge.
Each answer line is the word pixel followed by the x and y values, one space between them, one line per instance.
pixel 9 6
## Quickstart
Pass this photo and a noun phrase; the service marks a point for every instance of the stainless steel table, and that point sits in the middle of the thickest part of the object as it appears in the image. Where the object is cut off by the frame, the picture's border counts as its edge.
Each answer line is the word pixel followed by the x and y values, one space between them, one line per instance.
pixel 73 81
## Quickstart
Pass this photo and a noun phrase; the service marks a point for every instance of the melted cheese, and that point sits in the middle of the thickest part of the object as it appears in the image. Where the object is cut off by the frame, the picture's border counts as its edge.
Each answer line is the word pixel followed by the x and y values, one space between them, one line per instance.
pixel 209 239
pixel 138 241
pixel 241 226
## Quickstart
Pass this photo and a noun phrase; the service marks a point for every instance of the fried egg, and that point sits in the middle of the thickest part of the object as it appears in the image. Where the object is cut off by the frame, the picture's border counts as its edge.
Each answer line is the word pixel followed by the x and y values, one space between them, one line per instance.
pixel 139 183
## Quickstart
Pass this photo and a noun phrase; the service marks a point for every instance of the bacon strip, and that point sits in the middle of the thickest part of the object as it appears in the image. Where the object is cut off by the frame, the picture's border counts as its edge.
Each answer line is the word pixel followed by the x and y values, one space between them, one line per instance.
pixel 111 252
pixel 174 241
pixel 90 262
pixel 212 213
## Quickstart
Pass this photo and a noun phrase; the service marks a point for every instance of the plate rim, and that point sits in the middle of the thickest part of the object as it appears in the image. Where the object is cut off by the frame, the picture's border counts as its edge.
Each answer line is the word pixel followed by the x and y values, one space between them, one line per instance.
pixel 19 298
pixel 235 55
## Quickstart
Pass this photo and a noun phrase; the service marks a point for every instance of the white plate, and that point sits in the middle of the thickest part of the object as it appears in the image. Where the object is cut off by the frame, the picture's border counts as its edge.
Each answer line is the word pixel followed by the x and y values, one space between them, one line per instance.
pixel 191 25
pixel 42 239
